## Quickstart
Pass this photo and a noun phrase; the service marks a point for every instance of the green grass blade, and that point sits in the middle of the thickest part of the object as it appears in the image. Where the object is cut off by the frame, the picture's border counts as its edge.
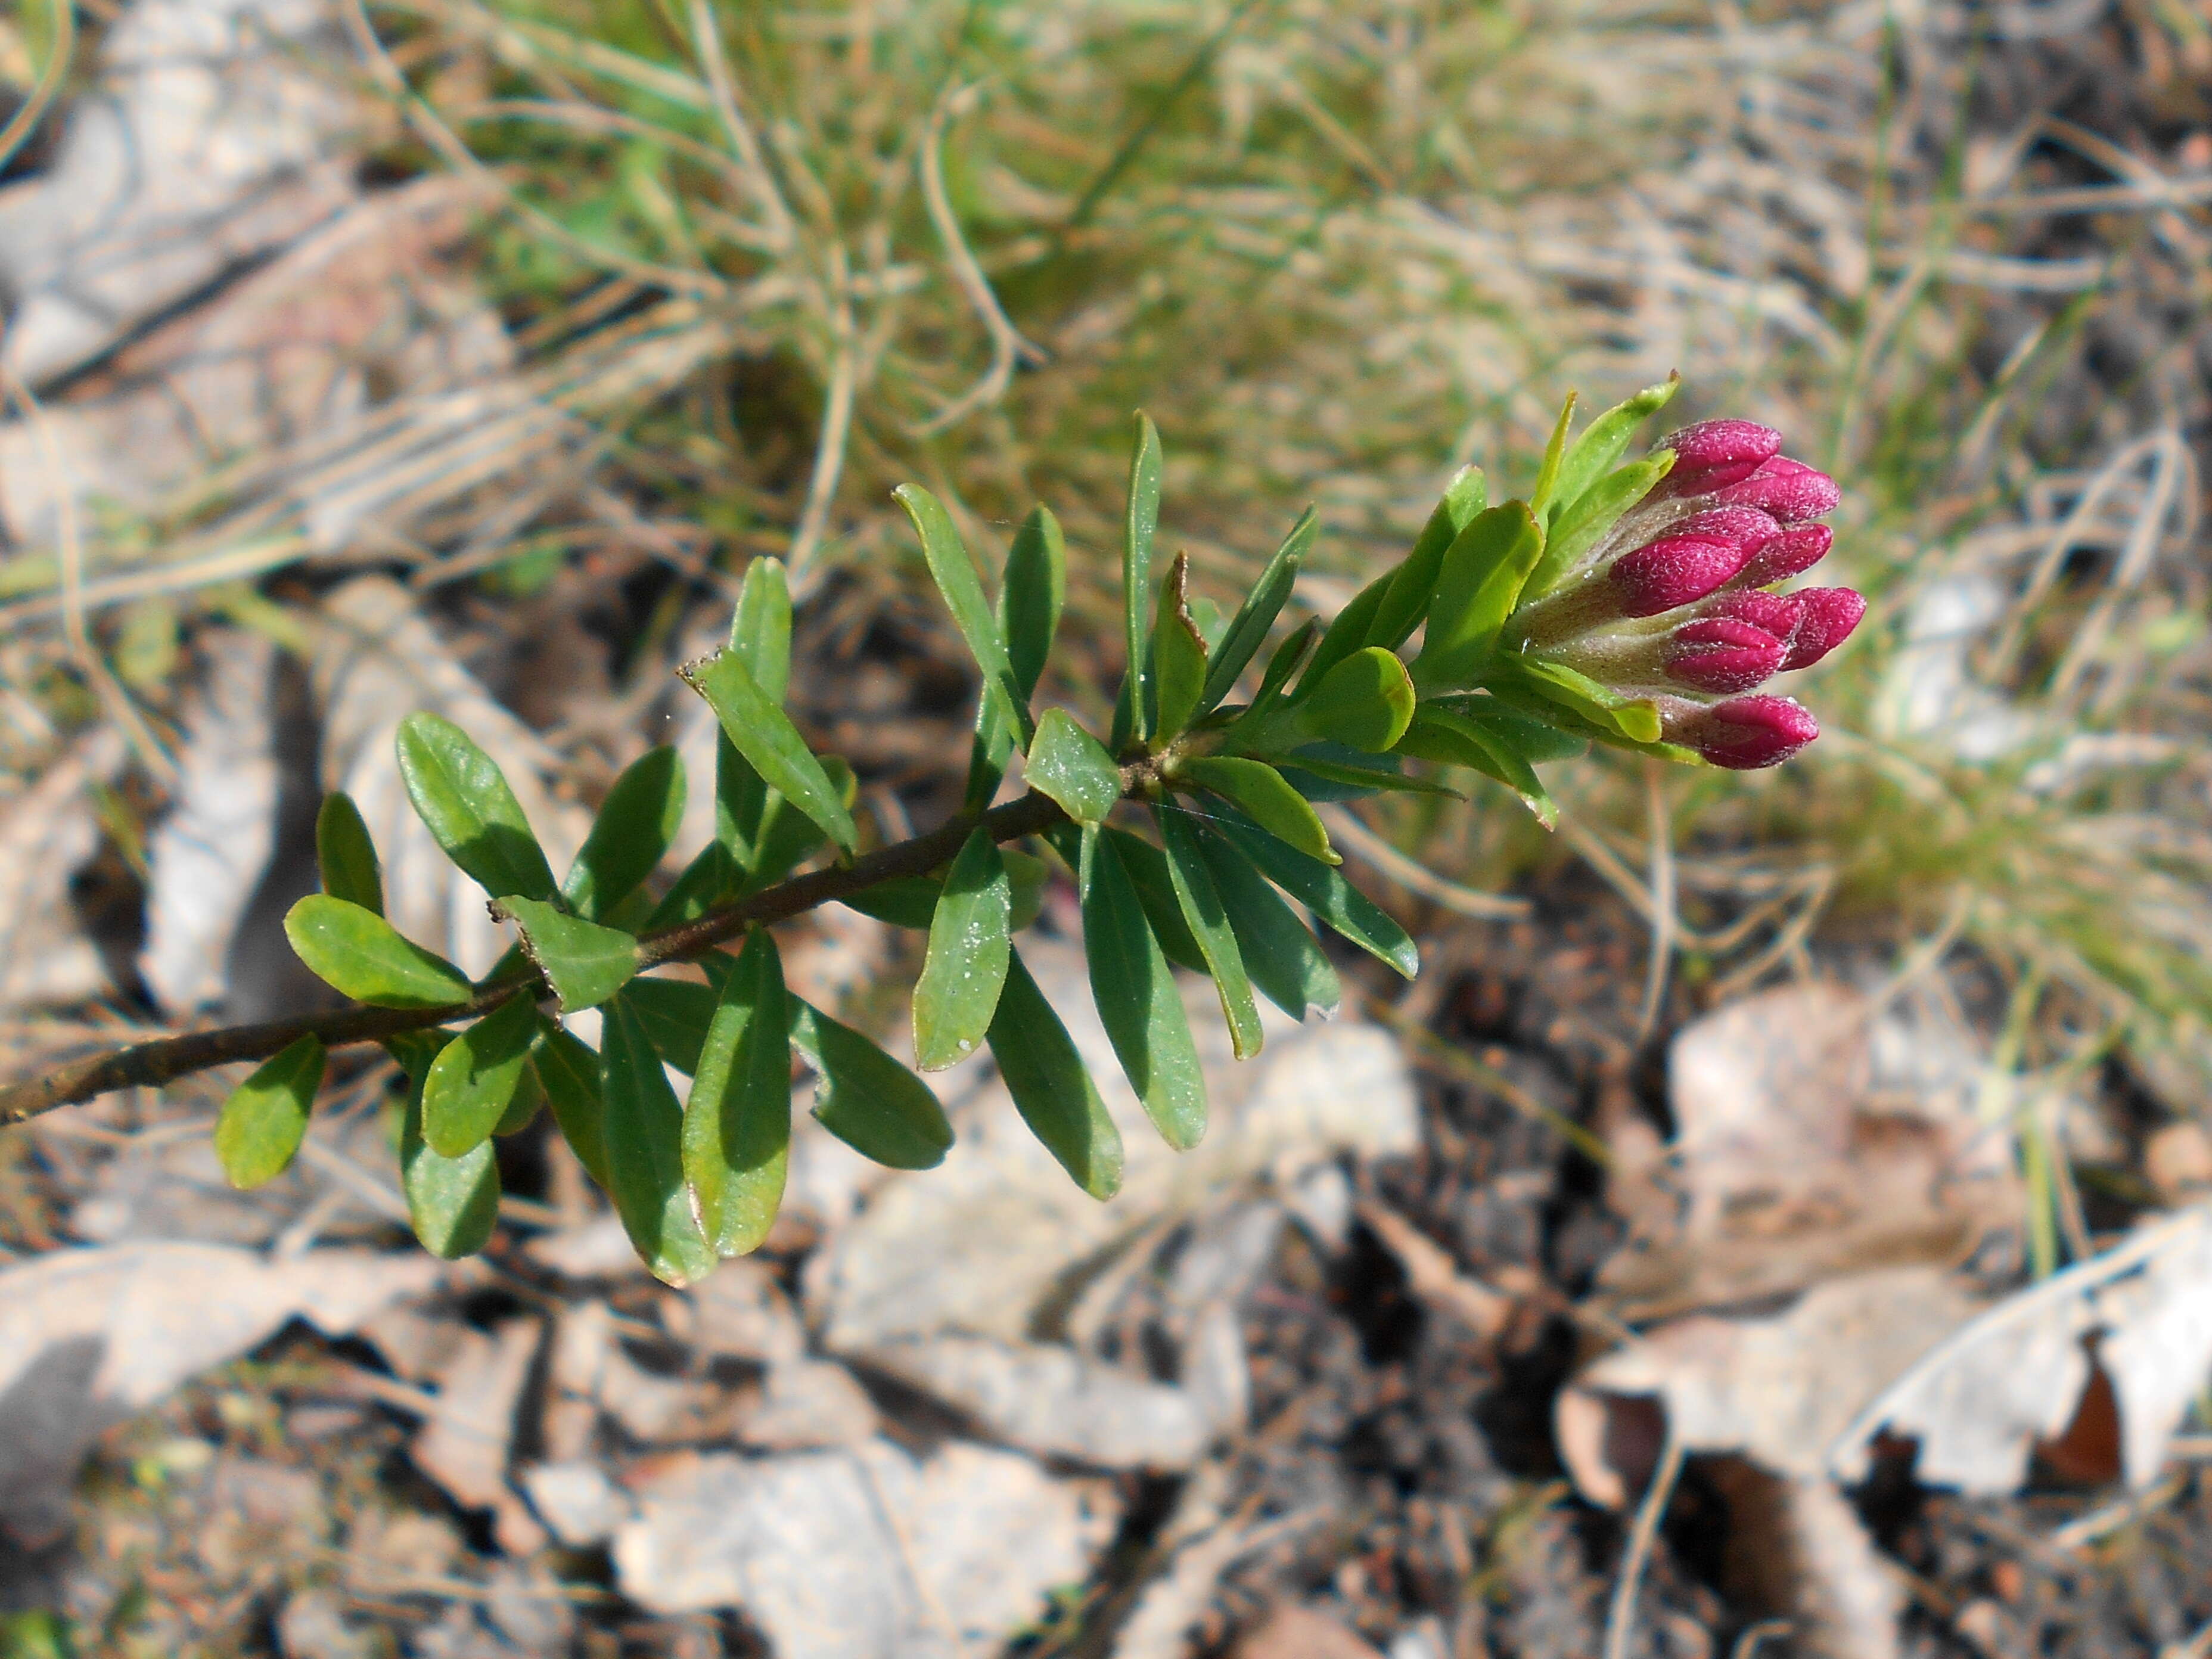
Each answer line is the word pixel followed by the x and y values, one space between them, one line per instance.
pixel 359 955
pixel 1208 919
pixel 464 798
pixel 737 1124
pixel 266 1117
pixel 644 1131
pixel 1051 1087
pixel 1137 999
pixel 971 937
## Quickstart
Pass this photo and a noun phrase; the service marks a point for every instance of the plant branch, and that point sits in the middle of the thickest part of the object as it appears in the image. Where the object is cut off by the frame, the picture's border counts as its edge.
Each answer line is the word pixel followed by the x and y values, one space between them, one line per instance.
pixel 150 1065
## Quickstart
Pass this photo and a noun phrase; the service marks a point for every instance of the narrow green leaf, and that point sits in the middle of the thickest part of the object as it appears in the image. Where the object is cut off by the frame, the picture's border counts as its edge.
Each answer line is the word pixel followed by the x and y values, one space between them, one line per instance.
pixel 345 854
pixel 1070 766
pixel 763 734
pixel 1143 519
pixel 635 825
pixel 569 1071
pixel 760 626
pixel 674 1013
pixel 459 792
pixel 903 901
pixel 1146 866
pixel 453 1203
pixel 1260 791
pixel 1051 1087
pixel 1547 475
pixel 1026 875
pixel 1032 596
pixel 1207 618
pixel 1364 701
pixel 1325 891
pixel 1281 665
pixel 971 936
pixel 865 1098
pixel 1484 572
pixel 1137 999
pixel 741 800
pixel 1413 585
pixel 737 1125
pixel 788 837
pixel 475 1077
pixel 1203 910
pixel 1178 653
pixel 709 878
pixel 1602 443
pixel 1249 631
pixel 359 954
pixel 1634 718
pixel 1437 734
pixel 963 589
pixel 1348 632
pixel 1579 528
pixel 1534 739
pixel 266 1117
pixel 644 1133
pixel 1284 960
pixel 583 963
pixel 1365 779
pixel 523 1106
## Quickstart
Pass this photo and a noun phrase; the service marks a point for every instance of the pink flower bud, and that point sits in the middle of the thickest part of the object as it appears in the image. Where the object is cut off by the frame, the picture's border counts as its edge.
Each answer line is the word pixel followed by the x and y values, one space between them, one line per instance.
pixel 1716 452
pixel 1790 491
pixel 1777 614
pixel 1828 618
pixel 1692 559
pixel 1746 733
pixel 1790 554
pixel 1718 653
pixel 1742 526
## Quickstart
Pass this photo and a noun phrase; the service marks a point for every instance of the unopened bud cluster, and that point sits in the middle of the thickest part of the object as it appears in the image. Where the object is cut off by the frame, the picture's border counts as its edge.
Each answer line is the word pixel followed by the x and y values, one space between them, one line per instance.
pixel 1678 603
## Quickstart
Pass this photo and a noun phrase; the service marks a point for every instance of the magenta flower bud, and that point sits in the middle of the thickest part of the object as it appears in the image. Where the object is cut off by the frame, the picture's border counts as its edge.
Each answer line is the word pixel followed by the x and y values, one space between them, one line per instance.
pixel 1671 572
pixel 1716 452
pixel 1777 614
pixel 1827 616
pixel 1790 491
pixel 1746 527
pixel 1746 733
pixel 1718 653
pixel 1790 554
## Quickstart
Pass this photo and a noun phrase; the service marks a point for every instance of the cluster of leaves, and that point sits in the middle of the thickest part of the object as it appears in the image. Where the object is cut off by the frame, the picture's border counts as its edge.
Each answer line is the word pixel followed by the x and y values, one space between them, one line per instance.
pixel 1227 789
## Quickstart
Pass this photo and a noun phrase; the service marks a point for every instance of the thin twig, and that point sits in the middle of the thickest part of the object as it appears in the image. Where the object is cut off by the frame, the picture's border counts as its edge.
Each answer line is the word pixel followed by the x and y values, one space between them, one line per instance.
pixel 722 86
pixel 836 428
pixel 1620 1617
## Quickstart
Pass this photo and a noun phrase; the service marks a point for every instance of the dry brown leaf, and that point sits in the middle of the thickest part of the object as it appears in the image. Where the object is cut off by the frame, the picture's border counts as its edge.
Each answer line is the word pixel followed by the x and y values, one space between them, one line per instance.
pixel 1814 1135
pixel 466 1445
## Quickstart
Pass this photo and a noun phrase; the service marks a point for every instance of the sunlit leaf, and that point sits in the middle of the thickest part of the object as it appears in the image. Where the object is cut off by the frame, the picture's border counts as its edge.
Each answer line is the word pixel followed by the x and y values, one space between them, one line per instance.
pixel 737 1124
pixel 1248 630
pixel 453 1203
pixel 1547 474
pixel 1070 766
pixel 634 829
pixel 1484 571
pixel 757 725
pixel 464 798
pixel 359 954
pixel 643 1127
pixel 864 1098
pixel 1324 891
pixel 475 1077
pixel 1051 1087
pixel 1142 521
pixel 1178 653
pixel 788 837
pixel 583 963
pixel 1634 718
pixel 1202 908
pixel 266 1117
pixel 1262 793
pixel 1348 781
pixel 760 626
pixel 1404 606
pixel 1032 596
pixel 1439 734
pixel 947 556
pixel 1282 663
pixel 1284 960
pixel 1364 703
pixel 1349 630
pixel 1580 528
pixel 1137 999
pixel 969 939
pixel 345 855
pixel 1602 443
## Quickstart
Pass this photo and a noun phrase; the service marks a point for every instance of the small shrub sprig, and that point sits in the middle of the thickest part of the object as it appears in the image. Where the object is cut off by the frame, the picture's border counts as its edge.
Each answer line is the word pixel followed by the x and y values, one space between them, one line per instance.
pixel 1635 604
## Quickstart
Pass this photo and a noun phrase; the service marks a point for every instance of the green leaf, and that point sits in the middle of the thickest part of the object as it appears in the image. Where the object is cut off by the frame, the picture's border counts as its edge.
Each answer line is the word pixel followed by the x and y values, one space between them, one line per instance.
pixel 709 880
pixel 644 1133
pixel 1027 875
pixel 1484 572
pixel 1439 734
pixel 674 1014
pixel 459 792
pixel 971 935
pixel 788 837
pixel 475 1077
pixel 451 1202
pixel 1635 719
pixel 583 963
pixel 1364 701
pixel 1146 866
pixel 1533 739
pixel 963 596
pixel 1070 766
pixel 345 854
pixel 1284 960
pixel 1249 631
pixel 1405 605
pixel 569 1071
pixel 903 900
pixel 523 1106
pixel 632 832
pixel 1579 528
pixel 359 955
pixel 1281 665
pixel 865 1098
pixel 1369 779
pixel 760 626
pixel 1325 892
pixel 1603 442
pixel 1547 475
pixel 1202 908
pixel 737 1125
pixel 1348 632
pixel 741 800
pixel 266 1117
pixel 1143 519
pixel 1051 1087
pixel 1260 791
pixel 763 734
pixel 1032 596
pixel 1137 999
pixel 1178 654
